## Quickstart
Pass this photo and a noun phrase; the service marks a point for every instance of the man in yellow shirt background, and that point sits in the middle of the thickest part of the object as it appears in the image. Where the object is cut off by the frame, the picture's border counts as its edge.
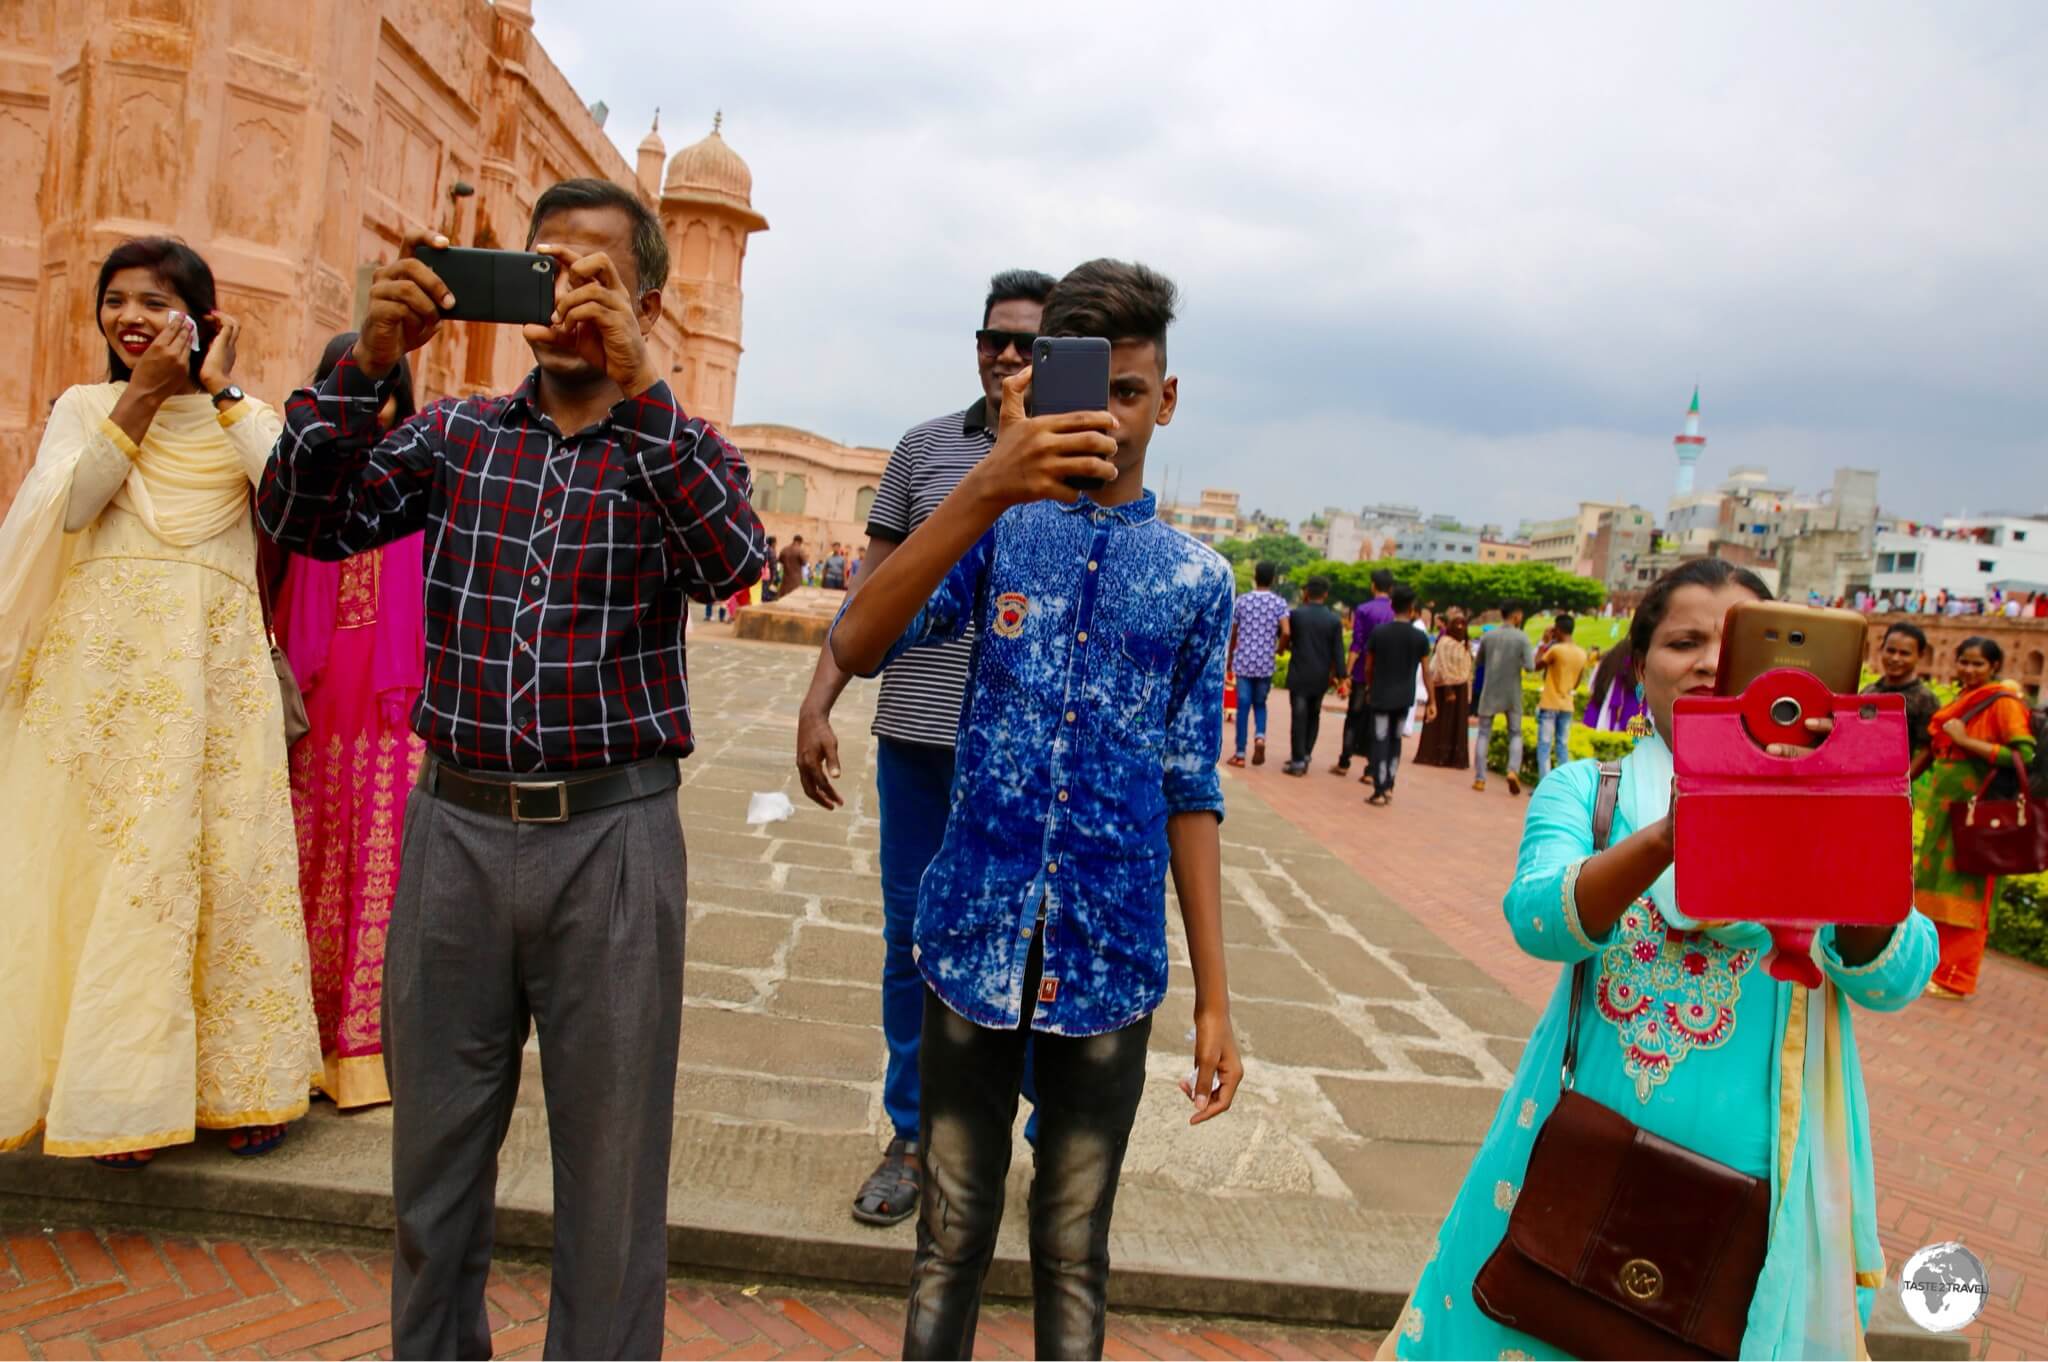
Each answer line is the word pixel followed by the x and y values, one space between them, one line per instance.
pixel 1563 664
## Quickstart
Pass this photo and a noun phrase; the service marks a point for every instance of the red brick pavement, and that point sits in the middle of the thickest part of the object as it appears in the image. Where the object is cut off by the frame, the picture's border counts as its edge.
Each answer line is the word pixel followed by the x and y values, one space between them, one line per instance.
pixel 87 1293
pixel 1958 1091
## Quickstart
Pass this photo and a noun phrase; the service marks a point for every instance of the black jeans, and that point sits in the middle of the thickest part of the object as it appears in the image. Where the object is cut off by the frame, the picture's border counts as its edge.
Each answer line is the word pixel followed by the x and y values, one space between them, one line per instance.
pixel 1385 725
pixel 1357 726
pixel 1305 712
pixel 1088 1090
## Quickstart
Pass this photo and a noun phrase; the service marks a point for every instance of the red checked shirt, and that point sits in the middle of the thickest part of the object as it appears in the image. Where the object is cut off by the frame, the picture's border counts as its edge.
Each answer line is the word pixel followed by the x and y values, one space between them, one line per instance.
pixel 559 567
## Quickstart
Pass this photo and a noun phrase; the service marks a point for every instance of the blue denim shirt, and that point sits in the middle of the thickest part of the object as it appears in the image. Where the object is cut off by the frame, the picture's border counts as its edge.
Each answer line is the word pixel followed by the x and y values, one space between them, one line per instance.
pixel 1094 710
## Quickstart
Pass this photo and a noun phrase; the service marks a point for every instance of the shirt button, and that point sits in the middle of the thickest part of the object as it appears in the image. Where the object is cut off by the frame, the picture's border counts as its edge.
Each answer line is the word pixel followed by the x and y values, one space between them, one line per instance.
pixel 1063 796
pixel 1070 716
pixel 1081 637
pixel 524 646
pixel 1092 565
pixel 1052 867
pixel 547 513
pixel 535 579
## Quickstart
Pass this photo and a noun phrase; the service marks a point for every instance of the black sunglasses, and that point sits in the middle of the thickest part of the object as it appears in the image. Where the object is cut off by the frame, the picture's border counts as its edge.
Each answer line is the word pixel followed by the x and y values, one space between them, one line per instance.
pixel 992 342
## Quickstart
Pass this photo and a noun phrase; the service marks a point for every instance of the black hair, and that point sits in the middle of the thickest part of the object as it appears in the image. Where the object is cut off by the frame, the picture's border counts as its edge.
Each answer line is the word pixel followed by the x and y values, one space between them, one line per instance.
pixel 1011 285
pixel 1912 631
pixel 1993 654
pixel 1383 580
pixel 1114 299
pixel 401 377
pixel 1402 599
pixel 1564 623
pixel 1264 573
pixel 178 268
pixel 1711 573
pixel 1512 607
pixel 650 247
pixel 1316 587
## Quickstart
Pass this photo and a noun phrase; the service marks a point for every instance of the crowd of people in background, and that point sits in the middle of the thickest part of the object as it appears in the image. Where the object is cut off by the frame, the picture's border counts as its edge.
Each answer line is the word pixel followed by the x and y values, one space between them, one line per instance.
pixel 2011 605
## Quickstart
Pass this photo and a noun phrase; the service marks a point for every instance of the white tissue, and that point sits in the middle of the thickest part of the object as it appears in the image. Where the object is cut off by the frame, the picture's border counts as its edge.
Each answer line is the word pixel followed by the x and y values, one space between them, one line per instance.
pixel 769 808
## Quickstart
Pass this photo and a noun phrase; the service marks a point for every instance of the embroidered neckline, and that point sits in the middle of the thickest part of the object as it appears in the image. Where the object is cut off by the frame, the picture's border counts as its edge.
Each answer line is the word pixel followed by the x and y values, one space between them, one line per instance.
pixel 1667 993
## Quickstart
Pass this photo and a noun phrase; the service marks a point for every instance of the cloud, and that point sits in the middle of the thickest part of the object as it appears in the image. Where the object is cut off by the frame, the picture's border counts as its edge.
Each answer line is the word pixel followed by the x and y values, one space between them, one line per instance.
pixel 1473 257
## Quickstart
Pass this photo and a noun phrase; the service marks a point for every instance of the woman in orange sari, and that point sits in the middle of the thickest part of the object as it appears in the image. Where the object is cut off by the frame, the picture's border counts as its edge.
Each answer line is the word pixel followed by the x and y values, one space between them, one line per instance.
pixel 1975 735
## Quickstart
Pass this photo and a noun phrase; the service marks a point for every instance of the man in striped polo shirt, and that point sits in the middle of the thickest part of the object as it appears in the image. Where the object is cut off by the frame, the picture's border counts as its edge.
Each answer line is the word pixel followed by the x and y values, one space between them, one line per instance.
pixel 917 718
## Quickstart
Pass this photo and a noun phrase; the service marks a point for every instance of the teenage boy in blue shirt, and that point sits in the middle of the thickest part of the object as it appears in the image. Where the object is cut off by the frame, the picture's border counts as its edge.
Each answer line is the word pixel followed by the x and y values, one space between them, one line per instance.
pixel 1087 770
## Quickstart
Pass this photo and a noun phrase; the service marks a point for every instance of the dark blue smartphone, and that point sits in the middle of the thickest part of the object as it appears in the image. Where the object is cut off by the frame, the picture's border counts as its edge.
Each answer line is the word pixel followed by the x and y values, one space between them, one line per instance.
pixel 508 287
pixel 1070 373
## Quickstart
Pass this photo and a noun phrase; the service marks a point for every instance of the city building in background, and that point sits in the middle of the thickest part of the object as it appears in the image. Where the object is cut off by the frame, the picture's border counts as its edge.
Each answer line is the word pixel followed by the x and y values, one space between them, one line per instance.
pixel 1623 538
pixel 1504 551
pixel 806 484
pixel 1212 519
pixel 1566 543
pixel 294 146
pixel 1441 540
pixel 1969 557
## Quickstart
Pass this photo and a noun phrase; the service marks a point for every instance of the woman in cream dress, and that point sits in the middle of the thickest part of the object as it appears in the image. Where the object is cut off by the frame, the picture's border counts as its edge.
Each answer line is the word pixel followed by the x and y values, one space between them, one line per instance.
pixel 153 975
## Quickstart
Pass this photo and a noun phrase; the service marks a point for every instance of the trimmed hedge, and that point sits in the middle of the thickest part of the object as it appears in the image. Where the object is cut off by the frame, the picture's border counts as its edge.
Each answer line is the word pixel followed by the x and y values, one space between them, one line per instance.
pixel 2019 921
pixel 1580 743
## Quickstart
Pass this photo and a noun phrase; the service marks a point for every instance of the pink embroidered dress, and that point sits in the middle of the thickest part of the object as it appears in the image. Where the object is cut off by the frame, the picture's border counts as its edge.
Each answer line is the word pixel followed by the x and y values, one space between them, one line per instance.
pixel 354 632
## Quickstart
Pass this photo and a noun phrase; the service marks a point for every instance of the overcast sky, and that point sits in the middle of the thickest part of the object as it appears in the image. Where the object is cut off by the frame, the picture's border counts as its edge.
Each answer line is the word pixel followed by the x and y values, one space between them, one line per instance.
pixel 1463 256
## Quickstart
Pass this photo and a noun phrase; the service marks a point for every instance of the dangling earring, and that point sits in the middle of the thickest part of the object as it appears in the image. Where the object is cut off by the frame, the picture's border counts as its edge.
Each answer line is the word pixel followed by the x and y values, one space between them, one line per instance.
pixel 1639 726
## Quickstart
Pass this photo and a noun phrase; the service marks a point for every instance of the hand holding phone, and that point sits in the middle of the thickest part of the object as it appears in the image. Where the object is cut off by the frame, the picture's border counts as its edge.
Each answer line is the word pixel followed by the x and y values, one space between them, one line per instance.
pixel 595 314
pixel 407 302
pixel 1036 457
pixel 1070 373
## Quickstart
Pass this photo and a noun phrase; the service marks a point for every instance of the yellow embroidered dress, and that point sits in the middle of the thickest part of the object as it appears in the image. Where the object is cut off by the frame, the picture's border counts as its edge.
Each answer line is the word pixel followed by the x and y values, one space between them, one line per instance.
pixel 153 973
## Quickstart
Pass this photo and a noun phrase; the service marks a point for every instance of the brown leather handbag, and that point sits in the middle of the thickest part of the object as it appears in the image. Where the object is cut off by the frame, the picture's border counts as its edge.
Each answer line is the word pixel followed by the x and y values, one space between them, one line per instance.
pixel 1622 1244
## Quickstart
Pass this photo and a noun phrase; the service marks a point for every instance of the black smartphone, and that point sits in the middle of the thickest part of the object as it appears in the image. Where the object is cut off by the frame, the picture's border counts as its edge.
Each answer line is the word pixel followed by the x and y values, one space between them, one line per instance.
pixel 509 287
pixel 1070 373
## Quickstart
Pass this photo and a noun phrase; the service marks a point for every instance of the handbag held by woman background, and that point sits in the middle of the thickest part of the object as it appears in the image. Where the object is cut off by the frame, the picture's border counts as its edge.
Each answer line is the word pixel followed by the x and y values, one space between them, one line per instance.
pixel 2000 836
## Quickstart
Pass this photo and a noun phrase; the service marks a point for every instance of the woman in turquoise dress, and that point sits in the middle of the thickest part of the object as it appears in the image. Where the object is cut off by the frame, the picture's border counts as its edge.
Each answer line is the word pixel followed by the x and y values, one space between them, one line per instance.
pixel 1684 1033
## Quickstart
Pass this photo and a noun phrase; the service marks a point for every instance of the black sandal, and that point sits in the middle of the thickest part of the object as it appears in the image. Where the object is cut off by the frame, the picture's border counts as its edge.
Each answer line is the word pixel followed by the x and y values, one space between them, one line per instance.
pixel 890 1195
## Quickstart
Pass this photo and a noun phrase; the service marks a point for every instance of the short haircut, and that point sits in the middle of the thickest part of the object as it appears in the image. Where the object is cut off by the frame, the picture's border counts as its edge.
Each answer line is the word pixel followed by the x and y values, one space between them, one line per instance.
pixel 1317 586
pixel 650 247
pixel 1383 580
pixel 181 270
pixel 1564 624
pixel 1512 607
pixel 1264 573
pixel 1911 631
pixel 1402 599
pixel 1116 300
pixel 796 539
pixel 1012 285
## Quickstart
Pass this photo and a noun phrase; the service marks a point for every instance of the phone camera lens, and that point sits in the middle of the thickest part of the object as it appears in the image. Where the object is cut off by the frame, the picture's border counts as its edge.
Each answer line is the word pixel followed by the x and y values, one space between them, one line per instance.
pixel 1798 638
pixel 1785 711
pixel 543 265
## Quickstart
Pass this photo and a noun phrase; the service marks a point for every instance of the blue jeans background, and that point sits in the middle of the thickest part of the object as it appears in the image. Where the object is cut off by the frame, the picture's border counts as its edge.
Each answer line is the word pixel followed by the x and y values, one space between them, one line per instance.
pixel 915 781
pixel 1252 693
pixel 1551 722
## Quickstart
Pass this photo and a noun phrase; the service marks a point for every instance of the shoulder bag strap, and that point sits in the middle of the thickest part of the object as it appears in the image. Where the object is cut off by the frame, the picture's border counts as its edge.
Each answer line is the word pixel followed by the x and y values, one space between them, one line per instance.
pixel 1604 803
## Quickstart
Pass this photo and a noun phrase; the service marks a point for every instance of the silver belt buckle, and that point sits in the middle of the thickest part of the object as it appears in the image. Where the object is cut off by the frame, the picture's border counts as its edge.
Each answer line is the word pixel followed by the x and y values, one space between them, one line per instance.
pixel 560 788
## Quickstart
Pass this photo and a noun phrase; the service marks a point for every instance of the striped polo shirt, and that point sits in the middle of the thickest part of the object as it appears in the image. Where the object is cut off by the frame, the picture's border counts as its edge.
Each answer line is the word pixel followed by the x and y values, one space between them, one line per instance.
pixel 923 690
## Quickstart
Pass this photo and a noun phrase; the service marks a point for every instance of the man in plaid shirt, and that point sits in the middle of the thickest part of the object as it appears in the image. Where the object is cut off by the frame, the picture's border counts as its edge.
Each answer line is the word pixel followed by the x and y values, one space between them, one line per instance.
pixel 568 524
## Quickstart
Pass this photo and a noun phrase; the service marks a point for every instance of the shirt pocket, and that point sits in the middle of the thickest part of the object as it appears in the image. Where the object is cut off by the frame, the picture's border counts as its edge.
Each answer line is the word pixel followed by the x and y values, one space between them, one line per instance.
pixel 1146 665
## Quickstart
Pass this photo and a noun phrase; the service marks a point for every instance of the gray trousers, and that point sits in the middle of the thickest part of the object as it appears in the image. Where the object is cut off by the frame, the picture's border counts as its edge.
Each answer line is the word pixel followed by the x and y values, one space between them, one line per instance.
pixel 577 928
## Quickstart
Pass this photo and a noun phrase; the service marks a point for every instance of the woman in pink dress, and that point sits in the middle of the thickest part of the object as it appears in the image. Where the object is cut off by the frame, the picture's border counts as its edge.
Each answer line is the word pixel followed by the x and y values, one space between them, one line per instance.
pixel 354 632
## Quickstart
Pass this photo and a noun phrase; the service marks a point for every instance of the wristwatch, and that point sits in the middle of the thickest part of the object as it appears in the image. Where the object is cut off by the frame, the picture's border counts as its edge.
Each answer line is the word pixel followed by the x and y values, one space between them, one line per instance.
pixel 227 397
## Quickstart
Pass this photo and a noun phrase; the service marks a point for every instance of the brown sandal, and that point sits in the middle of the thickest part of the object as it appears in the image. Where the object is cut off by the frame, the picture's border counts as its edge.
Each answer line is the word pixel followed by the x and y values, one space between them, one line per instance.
pixel 1258 752
pixel 890 1195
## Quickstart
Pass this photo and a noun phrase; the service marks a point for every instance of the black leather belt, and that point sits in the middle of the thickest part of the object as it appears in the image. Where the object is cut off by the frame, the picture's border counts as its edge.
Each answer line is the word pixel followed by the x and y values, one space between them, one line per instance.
pixel 548 801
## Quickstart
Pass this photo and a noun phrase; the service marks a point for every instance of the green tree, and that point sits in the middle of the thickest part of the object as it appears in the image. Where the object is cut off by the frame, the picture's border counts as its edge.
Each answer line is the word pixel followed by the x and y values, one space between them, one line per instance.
pixel 1284 551
pixel 1475 586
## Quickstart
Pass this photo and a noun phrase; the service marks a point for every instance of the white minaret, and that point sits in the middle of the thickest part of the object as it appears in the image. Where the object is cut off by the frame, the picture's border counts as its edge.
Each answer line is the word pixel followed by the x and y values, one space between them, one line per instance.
pixel 1690 445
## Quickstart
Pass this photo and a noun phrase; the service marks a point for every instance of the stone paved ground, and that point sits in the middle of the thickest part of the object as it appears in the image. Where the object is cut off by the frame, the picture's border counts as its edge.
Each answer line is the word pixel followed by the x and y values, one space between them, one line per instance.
pixel 85 1293
pixel 1958 1091
pixel 1376 1057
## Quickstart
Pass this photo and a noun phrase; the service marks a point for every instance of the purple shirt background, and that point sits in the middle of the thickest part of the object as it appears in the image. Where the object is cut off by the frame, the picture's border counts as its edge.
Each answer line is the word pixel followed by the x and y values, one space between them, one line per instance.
pixel 1366 618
